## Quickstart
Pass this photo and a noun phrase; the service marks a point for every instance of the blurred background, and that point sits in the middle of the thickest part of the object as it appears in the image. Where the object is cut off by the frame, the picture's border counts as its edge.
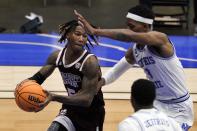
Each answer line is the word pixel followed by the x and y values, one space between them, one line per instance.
pixel 103 13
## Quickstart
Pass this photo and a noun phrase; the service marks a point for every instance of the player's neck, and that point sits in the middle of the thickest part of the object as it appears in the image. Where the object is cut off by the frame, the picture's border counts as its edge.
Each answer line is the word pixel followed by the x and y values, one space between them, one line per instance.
pixel 140 46
pixel 72 54
pixel 74 50
pixel 143 107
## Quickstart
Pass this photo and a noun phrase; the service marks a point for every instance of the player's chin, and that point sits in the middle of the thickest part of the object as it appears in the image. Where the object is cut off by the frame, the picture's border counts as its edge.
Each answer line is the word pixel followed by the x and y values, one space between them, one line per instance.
pixel 79 45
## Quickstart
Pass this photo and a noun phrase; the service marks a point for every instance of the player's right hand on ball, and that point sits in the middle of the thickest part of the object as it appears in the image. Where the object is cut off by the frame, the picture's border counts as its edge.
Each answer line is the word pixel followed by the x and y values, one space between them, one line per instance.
pixel 46 102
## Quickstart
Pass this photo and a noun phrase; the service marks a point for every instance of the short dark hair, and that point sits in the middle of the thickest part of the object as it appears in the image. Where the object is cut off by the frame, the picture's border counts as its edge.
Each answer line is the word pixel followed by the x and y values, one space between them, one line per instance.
pixel 142 11
pixel 143 92
pixel 69 27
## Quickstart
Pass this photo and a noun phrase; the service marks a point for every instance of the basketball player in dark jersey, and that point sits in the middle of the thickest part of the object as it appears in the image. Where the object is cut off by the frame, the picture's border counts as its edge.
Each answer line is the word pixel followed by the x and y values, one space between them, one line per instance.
pixel 83 108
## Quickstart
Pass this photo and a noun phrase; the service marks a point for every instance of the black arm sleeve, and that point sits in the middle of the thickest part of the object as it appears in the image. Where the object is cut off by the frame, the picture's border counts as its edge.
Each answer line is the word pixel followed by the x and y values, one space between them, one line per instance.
pixel 38 77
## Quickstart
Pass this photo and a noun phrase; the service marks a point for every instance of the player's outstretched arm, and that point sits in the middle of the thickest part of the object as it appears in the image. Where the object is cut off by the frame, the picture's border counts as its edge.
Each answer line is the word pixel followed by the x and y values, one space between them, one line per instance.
pixel 127 35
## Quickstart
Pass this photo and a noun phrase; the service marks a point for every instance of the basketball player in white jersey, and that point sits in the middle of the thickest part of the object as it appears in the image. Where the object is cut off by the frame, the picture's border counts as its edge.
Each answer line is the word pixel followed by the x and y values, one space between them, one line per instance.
pixel 146 117
pixel 155 53
pixel 83 108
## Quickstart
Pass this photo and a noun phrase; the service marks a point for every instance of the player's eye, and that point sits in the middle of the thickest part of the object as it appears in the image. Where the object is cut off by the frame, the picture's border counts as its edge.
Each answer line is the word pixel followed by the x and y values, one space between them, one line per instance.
pixel 77 33
pixel 130 26
pixel 85 36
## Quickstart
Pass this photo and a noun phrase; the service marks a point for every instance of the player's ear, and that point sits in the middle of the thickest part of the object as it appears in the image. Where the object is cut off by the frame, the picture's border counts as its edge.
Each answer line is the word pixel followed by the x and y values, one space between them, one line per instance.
pixel 68 35
pixel 146 27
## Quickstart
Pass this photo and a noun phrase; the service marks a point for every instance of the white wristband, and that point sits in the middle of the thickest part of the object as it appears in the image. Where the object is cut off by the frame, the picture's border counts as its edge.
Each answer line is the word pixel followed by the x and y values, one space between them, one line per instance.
pixel 116 71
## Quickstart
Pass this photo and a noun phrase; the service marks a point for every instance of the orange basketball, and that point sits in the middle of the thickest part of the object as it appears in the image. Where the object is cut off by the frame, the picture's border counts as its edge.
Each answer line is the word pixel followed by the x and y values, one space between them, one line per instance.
pixel 28 95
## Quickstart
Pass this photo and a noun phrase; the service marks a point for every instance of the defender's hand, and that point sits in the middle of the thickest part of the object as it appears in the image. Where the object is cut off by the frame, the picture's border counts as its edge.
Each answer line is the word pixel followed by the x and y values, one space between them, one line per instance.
pixel 85 23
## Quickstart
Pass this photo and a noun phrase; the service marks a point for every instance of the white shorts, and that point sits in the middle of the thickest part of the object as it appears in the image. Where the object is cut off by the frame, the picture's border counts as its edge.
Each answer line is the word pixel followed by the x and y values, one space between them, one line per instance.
pixel 181 112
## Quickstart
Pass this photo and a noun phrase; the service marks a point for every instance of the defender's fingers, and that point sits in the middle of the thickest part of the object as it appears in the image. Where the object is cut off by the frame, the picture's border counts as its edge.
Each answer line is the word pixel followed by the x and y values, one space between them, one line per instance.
pixel 78 14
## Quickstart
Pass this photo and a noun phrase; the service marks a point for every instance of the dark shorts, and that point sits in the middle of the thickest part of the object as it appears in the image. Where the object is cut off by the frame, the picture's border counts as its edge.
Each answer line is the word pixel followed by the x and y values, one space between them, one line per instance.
pixel 86 120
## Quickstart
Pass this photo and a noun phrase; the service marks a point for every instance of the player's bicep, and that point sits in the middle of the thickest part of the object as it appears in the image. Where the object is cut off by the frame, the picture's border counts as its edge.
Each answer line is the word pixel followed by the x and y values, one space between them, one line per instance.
pixel 86 94
pixel 151 38
pixel 50 65
pixel 91 74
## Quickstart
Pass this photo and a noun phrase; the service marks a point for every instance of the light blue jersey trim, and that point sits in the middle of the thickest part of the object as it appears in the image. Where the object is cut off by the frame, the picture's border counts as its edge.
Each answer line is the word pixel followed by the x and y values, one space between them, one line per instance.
pixel 177 100
pixel 163 58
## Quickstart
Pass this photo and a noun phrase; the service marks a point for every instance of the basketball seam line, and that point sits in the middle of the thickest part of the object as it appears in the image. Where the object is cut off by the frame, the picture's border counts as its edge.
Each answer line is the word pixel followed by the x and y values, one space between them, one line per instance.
pixel 28 85
pixel 27 101
pixel 32 93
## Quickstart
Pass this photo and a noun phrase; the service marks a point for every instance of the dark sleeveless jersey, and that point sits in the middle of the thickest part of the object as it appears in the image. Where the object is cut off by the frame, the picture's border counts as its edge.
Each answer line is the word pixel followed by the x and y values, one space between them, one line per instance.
pixel 72 77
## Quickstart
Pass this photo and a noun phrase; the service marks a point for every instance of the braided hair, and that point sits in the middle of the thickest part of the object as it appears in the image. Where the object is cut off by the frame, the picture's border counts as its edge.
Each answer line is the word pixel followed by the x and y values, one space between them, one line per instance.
pixel 70 26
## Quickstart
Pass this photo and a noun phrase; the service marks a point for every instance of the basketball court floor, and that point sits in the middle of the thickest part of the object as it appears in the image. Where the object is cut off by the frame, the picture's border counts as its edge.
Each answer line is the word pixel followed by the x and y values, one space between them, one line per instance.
pixel 14 119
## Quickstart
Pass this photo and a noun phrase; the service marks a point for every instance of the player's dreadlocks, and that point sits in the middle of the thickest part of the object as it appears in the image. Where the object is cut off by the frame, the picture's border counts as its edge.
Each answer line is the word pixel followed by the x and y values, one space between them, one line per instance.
pixel 70 26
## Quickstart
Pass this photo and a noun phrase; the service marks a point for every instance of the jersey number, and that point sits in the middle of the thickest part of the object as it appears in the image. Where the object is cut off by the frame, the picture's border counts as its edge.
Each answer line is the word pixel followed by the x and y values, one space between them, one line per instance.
pixel 71 92
pixel 157 83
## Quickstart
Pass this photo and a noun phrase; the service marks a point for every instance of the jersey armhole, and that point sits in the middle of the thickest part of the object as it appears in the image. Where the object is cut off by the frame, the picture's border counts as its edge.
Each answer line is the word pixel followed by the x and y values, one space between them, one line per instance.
pixel 85 61
pixel 58 58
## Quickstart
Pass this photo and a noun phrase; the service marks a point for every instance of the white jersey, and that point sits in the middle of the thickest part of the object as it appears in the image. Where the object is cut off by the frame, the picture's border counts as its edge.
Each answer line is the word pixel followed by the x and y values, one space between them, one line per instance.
pixel 166 73
pixel 149 120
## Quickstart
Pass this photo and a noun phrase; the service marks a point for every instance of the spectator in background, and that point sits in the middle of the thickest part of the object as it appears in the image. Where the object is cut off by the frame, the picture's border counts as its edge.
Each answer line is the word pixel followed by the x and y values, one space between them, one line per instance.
pixel 146 117
pixel 147 3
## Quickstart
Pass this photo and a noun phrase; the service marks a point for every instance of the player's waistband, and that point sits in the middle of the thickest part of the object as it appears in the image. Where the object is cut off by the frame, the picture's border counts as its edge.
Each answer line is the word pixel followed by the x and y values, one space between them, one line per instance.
pixel 177 100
